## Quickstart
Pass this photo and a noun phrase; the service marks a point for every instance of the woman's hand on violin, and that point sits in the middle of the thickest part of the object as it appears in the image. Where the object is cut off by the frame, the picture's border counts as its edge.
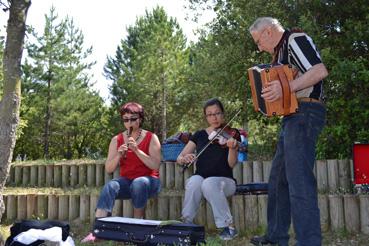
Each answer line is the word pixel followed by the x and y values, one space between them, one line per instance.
pixel 188 158
pixel 232 143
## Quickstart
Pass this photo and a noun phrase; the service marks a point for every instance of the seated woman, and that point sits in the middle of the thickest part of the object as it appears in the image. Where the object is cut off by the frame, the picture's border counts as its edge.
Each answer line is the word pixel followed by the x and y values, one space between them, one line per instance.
pixel 213 178
pixel 137 152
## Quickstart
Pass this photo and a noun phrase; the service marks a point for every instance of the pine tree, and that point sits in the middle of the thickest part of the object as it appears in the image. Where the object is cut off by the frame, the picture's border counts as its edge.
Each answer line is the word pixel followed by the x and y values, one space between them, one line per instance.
pixel 57 89
pixel 148 67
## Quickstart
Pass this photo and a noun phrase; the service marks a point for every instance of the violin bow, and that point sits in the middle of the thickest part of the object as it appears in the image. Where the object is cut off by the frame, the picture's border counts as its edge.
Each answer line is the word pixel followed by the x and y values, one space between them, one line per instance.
pixel 185 166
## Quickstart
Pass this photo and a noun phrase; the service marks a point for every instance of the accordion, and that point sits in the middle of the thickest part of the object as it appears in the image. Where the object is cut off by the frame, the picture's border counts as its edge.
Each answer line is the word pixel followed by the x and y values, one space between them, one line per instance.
pixel 260 76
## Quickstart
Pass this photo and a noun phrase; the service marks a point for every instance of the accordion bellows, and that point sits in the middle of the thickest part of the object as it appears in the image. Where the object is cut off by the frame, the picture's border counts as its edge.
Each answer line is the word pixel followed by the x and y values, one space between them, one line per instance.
pixel 260 76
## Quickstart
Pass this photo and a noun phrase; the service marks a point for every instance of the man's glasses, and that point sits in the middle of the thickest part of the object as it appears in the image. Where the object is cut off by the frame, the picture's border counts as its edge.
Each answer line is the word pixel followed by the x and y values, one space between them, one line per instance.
pixel 257 41
pixel 216 114
pixel 125 120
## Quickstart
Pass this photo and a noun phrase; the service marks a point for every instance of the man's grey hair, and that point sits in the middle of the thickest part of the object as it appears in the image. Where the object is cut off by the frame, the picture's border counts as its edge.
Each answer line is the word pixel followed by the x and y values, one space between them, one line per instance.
pixel 263 22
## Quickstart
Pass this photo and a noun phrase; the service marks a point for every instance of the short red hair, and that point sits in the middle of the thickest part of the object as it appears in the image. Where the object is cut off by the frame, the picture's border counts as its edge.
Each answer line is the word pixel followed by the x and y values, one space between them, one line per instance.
pixel 132 108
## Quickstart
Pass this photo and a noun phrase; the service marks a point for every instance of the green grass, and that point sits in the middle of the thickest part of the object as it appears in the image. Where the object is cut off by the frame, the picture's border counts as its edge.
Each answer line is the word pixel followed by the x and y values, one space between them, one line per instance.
pixel 340 238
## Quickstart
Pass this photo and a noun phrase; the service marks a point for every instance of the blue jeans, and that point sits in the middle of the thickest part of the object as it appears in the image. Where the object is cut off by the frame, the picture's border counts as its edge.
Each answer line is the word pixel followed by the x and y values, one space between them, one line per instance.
pixel 292 188
pixel 139 190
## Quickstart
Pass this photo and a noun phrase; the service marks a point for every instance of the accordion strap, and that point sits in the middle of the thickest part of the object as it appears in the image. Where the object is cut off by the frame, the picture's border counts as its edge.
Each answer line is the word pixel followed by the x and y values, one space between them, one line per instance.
pixel 285 89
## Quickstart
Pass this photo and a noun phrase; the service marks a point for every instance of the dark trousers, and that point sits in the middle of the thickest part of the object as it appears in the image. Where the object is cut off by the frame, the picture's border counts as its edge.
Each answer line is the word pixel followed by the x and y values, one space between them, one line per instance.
pixel 292 188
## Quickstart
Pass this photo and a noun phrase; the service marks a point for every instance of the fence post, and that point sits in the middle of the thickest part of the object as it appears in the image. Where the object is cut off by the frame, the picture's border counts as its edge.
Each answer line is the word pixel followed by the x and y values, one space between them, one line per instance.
pixel 267 166
pixel 63 207
pixel 364 214
pixel 91 175
pixel 336 212
pixel 200 218
pixel 74 176
pixel 65 176
pixel 100 170
pixel 322 175
pixel 118 208
pixel 33 178
pixel 52 207
pixel 82 172
pixel 18 175
pixel 210 223
pixel 238 210
pixel 151 210
pixel 41 175
pixel 25 175
pixel 73 207
pixel 93 202
pixel 178 177
pixel 49 175
pixel 169 172
pixel 344 175
pixel 42 210
pixel 31 205
pixel 251 212
pixel 57 175
pixel 175 207
pixel 21 207
pixel 163 208
pixel 352 217
pixel 162 174
pixel 127 208
pixel 262 210
pixel 237 173
pixel 247 172
pixel 11 209
pixel 324 212
pixel 332 175
pixel 84 207
pixel 257 171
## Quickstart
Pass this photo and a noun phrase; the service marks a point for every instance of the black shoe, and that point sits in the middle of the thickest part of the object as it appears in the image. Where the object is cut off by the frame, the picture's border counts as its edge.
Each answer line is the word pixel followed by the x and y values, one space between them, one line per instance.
pixel 261 240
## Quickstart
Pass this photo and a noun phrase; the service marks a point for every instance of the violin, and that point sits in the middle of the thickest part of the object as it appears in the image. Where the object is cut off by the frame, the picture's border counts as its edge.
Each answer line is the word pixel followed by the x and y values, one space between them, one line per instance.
pixel 217 133
pixel 222 137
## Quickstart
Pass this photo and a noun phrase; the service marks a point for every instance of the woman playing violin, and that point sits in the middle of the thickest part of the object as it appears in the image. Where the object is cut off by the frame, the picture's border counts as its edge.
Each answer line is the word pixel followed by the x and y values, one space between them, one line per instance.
pixel 213 178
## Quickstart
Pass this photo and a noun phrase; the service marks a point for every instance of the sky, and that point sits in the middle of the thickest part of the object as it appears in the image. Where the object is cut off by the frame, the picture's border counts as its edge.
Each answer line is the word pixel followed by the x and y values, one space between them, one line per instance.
pixel 104 24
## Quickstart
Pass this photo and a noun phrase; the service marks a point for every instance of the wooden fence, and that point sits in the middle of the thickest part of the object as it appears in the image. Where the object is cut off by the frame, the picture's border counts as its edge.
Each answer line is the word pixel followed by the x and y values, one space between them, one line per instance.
pixel 332 175
pixel 68 200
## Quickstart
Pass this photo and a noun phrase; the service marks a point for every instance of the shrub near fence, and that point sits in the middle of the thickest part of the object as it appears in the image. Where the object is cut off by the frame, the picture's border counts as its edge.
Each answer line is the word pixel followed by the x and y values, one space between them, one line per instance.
pixel 68 200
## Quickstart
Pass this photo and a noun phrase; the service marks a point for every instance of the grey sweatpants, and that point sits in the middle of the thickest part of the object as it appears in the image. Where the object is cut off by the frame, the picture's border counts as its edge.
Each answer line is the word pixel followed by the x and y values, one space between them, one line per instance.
pixel 215 190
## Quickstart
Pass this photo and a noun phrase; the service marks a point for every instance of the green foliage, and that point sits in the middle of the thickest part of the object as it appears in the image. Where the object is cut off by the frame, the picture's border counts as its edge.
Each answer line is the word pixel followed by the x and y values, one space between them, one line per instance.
pixel 61 117
pixel 340 33
pixel 149 66
pixel 154 66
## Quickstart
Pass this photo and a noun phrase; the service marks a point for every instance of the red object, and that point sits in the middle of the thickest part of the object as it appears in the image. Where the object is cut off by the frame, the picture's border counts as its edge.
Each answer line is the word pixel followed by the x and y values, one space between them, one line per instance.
pixel 132 167
pixel 360 159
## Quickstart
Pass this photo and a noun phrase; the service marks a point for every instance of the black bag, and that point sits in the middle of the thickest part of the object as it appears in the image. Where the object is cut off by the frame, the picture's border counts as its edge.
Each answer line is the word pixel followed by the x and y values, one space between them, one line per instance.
pixel 148 232
pixel 24 225
pixel 252 189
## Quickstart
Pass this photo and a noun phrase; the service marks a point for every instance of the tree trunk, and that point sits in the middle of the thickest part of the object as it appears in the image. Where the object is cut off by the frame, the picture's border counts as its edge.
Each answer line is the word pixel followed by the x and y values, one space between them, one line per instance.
pixel 9 105
pixel 164 120
pixel 47 119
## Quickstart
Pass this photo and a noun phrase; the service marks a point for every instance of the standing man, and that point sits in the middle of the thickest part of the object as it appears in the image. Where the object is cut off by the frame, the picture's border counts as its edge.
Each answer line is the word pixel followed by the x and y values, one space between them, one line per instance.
pixel 292 188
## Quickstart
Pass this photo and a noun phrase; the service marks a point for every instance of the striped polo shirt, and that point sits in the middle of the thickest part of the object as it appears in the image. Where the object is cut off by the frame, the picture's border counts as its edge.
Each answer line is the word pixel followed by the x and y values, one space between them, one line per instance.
pixel 298 49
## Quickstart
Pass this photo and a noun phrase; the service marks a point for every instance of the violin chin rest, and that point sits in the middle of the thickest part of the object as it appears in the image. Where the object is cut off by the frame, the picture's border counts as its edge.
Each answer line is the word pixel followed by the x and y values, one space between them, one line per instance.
pixel 212 135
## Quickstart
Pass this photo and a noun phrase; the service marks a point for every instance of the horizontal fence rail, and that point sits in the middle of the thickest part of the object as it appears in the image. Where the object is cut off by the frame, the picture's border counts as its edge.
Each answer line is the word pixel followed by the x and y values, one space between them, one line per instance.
pixel 69 191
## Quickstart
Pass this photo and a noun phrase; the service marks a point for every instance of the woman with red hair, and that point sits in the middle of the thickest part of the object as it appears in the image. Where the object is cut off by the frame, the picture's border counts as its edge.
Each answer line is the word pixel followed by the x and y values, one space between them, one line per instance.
pixel 137 153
